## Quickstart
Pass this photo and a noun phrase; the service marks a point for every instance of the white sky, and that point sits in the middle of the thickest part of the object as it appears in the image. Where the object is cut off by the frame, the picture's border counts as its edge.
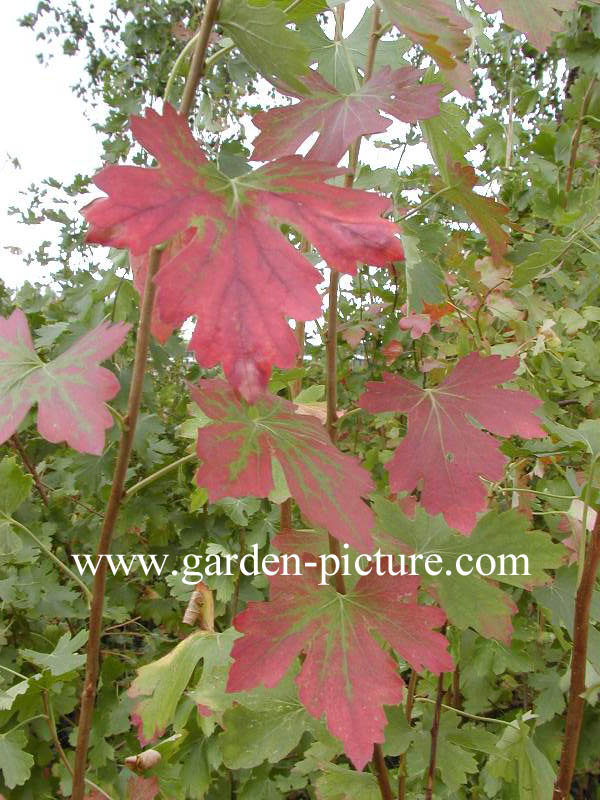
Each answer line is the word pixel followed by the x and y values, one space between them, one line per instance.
pixel 45 128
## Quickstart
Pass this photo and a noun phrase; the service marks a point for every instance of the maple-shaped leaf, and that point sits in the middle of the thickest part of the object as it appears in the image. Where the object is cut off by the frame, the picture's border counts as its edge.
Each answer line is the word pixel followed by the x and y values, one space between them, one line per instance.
pixel 471 600
pixel 443 448
pixel 537 19
pixel 440 30
pixel 488 214
pixel 341 117
pixel 235 270
pixel 70 391
pixel 237 450
pixel 341 656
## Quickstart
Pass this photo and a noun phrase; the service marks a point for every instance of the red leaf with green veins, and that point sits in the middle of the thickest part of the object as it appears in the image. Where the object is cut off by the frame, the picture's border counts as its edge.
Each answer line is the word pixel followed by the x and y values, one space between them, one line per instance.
pixel 340 118
pixel 440 30
pixel 70 391
pixel 443 448
pixel 235 271
pixel 537 19
pixel 342 657
pixel 486 213
pixel 236 452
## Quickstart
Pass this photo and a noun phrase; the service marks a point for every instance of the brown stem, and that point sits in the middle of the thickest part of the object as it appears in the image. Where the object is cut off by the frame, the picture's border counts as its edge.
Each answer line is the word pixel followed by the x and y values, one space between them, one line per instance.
pixel 435 730
pixel 381 773
pixel 577 135
pixel 53 732
pixel 410 701
pixel 199 57
pixel 113 507
pixel 115 499
pixel 285 515
pixel 576 703
pixel 16 442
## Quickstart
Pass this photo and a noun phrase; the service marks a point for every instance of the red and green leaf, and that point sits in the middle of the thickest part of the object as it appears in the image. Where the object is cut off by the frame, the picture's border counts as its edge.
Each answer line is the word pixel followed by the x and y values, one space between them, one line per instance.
pixel 236 454
pixel 440 30
pixel 70 391
pixel 442 448
pixel 488 214
pixel 334 632
pixel 341 117
pixel 537 19
pixel 235 270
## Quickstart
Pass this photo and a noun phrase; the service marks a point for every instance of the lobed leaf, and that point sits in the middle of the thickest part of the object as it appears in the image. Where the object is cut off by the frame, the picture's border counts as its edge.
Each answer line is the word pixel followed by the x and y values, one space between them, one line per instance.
pixel 341 656
pixel 70 391
pixel 443 448
pixel 341 117
pixel 235 271
pixel 236 453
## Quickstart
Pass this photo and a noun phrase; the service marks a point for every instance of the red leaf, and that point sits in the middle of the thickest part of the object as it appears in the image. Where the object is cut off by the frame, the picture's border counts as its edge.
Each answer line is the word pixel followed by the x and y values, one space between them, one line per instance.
pixel 139 788
pixel 442 447
pixel 334 632
pixel 417 324
pixel 340 118
pixel 236 451
pixel 440 30
pixel 537 19
pixel 235 271
pixel 70 391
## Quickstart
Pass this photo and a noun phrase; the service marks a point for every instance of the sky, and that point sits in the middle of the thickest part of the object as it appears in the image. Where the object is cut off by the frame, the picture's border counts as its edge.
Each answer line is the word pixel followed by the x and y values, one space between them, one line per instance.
pixel 47 132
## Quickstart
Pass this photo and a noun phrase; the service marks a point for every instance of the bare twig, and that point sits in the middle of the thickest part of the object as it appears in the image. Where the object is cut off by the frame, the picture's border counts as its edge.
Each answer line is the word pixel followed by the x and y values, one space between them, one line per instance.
pixel 435 730
pixel 577 135
pixel 576 704
pixel 408 708
pixel 381 773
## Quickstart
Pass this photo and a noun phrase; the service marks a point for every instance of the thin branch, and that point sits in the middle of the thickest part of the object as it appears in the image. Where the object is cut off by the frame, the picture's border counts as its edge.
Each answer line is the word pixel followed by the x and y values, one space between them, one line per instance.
pixel 158 475
pixel 60 564
pixel 381 773
pixel 113 508
pixel 410 700
pixel 576 704
pixel 198 59
pixel 577 135
pixel 435 730
pixel 16 443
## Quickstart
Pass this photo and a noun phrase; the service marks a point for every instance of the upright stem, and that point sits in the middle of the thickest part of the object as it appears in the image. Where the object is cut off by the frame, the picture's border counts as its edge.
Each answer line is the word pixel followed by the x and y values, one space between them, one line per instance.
pixel 378 762
pixel 577 135
pixel 113 507
pixel 576 705
pixel 115 499
pixel 381 773
pixel 410 701
pixel 435 730
pixel 199 57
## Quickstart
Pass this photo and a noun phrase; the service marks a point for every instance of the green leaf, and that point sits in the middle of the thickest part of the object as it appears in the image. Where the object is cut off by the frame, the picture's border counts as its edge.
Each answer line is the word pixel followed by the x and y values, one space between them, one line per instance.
pixel 471 600
pixel 295 9
pixel 165 680
pixel 398 733
pixel 447 136
pixel 264 40
pixel 15 763
pixel 339 60
pixel 266 725
pixel 587 434
pixel 15 486
pixel 64 658
pixel 423 277
pixel 341 783
pixel 518 760
pixel 546 252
